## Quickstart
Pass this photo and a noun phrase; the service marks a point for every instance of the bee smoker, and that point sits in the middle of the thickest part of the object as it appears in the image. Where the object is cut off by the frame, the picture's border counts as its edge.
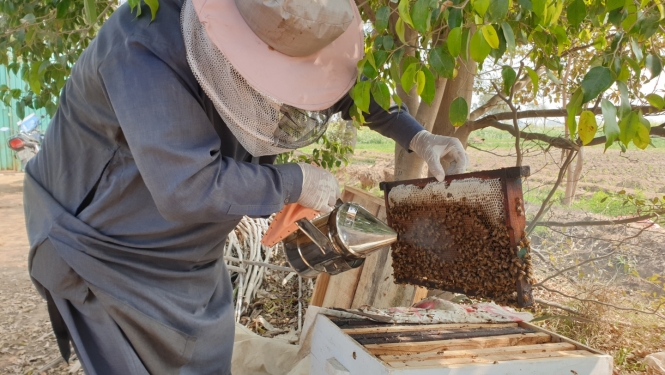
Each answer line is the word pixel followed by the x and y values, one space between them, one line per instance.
pixel 336 242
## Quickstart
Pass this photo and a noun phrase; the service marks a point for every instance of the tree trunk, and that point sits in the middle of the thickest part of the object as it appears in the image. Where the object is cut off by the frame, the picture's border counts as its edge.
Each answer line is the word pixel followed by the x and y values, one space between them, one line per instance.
pixel 403 159
pixel 409 165
pixel 573 177
pixel 462 86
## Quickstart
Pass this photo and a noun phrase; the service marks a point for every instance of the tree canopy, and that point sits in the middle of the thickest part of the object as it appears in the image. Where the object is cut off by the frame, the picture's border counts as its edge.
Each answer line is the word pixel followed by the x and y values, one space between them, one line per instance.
pixel 415 42
pixel 412 45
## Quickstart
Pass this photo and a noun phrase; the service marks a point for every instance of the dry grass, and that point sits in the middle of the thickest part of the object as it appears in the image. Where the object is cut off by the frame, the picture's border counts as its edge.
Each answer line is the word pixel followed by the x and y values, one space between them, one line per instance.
pixel 626 335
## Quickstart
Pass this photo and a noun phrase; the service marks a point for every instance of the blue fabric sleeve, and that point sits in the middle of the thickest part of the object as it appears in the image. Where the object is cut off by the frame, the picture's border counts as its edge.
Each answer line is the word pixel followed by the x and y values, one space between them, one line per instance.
pixel 176 149
pixel 396 123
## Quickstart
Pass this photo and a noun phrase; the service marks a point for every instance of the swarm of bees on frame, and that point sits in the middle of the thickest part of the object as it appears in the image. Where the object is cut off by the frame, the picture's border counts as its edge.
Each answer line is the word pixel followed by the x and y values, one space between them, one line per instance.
pixel 455 246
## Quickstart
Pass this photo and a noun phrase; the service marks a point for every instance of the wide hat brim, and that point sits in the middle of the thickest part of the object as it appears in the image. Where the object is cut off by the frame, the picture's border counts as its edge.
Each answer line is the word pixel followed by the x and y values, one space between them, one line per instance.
pixel 314 82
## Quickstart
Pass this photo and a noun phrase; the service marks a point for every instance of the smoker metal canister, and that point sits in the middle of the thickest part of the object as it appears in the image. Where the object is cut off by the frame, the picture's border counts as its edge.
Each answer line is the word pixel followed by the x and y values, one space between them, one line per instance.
pixel 336 242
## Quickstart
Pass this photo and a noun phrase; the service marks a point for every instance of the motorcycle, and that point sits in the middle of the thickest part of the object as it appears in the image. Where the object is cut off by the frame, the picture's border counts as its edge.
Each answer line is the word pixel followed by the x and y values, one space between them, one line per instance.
pixel 28 141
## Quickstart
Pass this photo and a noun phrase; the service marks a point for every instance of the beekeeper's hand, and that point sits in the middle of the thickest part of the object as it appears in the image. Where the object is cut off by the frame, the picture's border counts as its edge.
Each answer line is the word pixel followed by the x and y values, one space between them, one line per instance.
pixel 436 148
pixel 320 189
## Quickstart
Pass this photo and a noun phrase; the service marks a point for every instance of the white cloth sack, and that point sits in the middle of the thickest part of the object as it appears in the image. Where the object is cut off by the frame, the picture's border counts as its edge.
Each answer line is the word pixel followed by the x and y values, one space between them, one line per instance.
pixel 655 363
pixel 256 355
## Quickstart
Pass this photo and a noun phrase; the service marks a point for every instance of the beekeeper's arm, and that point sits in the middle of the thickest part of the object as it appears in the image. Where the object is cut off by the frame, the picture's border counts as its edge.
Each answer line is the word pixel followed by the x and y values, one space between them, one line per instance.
pixel 177 151
pixel 399 125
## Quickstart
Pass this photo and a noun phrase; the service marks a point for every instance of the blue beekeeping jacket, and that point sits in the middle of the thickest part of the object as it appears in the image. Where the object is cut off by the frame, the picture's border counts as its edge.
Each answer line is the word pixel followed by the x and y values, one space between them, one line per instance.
pixel 139 182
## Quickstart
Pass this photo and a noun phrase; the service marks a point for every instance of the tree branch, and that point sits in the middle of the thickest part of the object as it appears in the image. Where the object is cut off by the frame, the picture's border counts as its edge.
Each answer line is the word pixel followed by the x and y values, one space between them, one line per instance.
pixel 599 222
pixel 558 142
pixel 647 110
pixel 653 312
pixel 560 272
pixel 543 206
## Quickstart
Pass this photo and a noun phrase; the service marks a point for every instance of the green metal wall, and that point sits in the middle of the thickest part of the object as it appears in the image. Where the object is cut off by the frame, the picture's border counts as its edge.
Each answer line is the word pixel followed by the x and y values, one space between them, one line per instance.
pixel 9 119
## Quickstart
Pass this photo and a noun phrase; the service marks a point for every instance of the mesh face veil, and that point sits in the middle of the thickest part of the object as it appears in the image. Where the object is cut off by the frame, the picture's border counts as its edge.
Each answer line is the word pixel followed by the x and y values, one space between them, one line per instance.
pixel 261 124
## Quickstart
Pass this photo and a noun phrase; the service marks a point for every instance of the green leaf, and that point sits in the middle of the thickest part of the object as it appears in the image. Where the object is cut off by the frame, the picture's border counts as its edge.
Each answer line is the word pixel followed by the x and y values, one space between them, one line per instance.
pixel 574 107
pixel 154 7
pixel 421 15
pixel 614 4
pixel 90 10
pixel 403 10
pixel 611 127
pixel 576 13
pixel 481 6
pixel 382 17
pixel 656 101
pixel 642 138
pixel 369 71
pixel 381 94
pixel 420 82
pixel 455 18
pixel 380 57
pixel 553 78
pixel 556 14
pixel 634 65
pixel 28 19
pixel 624 74
pixel 442 62
pixel 538 7
pixel 409 77
pixel 587 127
pixel 595 82
pixel 454 41
pixel 498 9
pixel 370 59
pixel 399 29
pixel 624 107
pixel 509 35
pixel 509 78
pixel 361 95
pixel 429 90
pixel 459 112
pixel 388 42
pixel 34 78
pixel 534 79
pixel 479 48
pixel 62 9
pixel 654 65
pixel 526 4
pixel 20 109
pixel 628 127
pixel 490 35
pixel 397 100
pixel 637 50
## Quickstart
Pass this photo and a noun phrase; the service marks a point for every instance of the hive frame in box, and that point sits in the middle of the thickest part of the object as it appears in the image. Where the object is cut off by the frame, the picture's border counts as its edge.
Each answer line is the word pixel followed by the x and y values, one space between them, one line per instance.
pixel 513 204
pixel 335 352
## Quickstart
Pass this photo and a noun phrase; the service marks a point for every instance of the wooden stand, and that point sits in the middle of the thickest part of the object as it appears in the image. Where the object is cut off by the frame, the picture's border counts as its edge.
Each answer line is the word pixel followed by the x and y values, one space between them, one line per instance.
pixel 342 347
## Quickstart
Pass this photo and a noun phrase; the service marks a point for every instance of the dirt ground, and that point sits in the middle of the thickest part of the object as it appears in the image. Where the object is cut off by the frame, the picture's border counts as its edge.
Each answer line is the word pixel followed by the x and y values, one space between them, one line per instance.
pixel 26 343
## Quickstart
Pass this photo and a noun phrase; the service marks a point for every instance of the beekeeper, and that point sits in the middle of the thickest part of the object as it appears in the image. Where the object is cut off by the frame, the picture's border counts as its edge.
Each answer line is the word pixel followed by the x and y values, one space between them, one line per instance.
pixel 164 138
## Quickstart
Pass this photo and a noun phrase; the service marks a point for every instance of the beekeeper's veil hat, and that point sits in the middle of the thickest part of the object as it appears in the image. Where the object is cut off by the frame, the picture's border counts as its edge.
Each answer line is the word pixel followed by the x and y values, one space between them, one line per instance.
pixel 273 68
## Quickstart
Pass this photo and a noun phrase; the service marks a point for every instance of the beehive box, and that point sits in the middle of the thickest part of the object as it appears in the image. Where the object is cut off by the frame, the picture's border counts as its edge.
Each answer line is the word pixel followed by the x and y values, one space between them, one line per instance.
pixel 463 235
pixel 347 347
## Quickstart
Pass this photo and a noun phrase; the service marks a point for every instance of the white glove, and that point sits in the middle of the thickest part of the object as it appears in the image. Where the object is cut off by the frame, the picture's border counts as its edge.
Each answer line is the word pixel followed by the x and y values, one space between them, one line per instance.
pixel 320 189
pixel 433 148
